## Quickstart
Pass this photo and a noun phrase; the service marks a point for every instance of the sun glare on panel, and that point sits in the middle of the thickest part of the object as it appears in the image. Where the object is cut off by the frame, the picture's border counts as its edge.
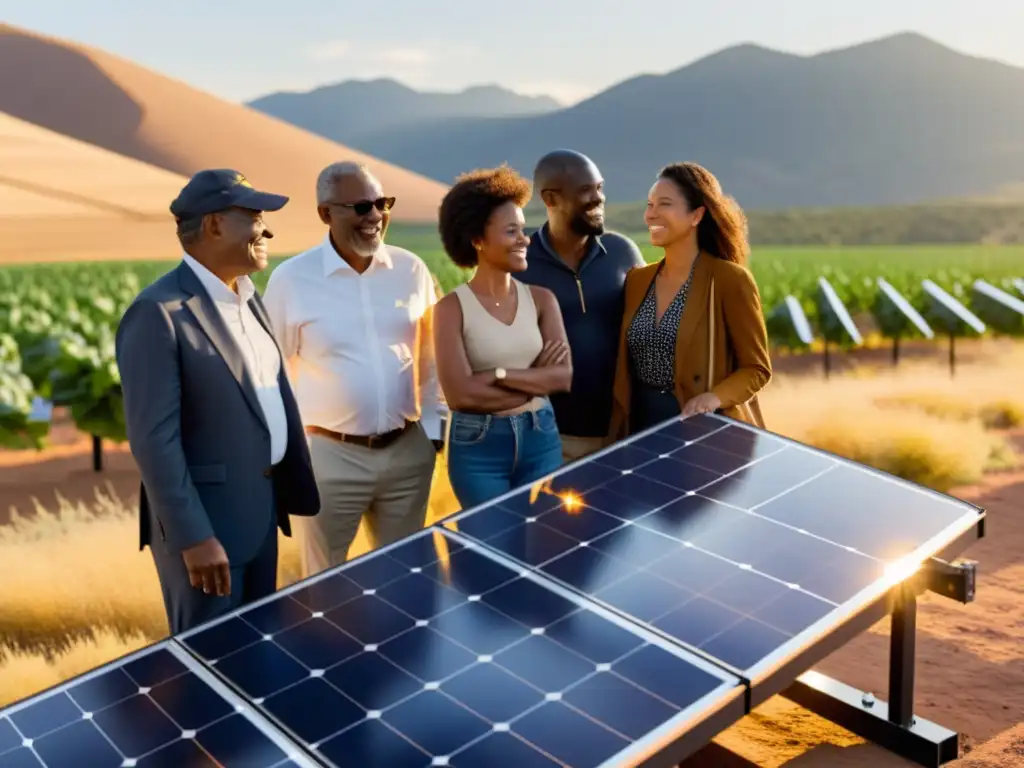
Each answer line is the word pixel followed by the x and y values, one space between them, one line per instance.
pixel 443 556
pixel 571 502
pixel 902 569
pixel 542 486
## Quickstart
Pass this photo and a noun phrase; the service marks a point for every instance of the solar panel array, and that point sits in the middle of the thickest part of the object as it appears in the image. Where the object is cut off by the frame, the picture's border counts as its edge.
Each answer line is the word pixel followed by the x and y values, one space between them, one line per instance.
pixel 592 620
pixel 432 652
pixel 730 540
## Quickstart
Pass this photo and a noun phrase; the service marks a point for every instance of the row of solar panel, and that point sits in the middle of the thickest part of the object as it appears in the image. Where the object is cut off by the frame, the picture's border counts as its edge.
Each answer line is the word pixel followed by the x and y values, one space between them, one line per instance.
pixel 463 648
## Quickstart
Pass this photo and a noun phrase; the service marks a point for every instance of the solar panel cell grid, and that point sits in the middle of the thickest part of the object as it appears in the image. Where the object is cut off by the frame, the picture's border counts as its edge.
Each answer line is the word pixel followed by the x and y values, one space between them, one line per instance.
pixel 149 710
pixel 728 539
pixel 431 653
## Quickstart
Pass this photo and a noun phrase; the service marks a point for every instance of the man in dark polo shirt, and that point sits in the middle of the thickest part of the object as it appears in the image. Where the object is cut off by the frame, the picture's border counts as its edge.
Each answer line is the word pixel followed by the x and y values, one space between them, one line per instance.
pixel 585 267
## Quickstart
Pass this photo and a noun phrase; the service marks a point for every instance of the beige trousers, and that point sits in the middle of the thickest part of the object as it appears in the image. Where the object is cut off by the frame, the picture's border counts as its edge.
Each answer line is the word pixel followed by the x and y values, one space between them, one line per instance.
pixel 577 447
pixel 389 486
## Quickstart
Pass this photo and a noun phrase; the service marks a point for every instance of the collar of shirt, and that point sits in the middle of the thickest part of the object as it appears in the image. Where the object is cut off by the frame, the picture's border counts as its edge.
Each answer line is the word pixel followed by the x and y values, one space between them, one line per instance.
pixel 594 246
pixel 215 286
pixel 333 262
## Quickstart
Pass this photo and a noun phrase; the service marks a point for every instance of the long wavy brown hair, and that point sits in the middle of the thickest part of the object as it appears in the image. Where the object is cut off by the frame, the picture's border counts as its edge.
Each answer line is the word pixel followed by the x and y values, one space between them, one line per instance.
pixel 722 231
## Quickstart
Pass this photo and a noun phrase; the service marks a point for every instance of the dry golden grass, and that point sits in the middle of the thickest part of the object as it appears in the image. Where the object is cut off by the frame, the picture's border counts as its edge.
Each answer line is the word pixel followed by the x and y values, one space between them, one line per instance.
pixel 913 421
pixel 76 591
pixel 998 413
pixel 23 673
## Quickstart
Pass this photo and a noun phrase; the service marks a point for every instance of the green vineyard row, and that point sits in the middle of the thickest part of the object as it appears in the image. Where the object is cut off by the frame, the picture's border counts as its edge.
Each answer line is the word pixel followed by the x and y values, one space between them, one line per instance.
pixel 57 322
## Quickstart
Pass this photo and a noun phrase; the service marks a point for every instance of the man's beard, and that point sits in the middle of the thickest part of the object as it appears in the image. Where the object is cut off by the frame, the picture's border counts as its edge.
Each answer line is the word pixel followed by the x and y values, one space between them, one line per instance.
pixel 584 227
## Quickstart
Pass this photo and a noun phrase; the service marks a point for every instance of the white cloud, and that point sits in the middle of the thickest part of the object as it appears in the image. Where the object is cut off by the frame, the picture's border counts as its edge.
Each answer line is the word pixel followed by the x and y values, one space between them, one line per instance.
pixel 417 66
pixel 402 57
pixel 329 51
pixel 370 56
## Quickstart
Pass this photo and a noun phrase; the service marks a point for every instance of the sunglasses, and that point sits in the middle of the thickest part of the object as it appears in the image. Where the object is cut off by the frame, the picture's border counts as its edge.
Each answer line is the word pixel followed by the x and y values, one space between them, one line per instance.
pixel 382 204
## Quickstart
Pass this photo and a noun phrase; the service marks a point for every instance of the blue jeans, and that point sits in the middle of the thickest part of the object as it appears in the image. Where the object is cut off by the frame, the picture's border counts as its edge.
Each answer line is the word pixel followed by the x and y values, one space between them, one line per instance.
pixel 490 455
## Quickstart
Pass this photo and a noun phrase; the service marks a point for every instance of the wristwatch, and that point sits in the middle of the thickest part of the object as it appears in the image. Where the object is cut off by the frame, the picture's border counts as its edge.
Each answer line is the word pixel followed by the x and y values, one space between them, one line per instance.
pixel 499 374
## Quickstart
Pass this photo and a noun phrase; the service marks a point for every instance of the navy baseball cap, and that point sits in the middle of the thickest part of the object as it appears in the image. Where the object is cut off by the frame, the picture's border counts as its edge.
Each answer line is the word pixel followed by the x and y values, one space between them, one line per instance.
pixel 216 190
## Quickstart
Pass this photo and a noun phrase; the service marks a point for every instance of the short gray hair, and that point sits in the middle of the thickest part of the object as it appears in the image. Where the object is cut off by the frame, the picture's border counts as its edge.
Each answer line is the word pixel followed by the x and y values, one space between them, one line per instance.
pixel 334 173
pixel 189 231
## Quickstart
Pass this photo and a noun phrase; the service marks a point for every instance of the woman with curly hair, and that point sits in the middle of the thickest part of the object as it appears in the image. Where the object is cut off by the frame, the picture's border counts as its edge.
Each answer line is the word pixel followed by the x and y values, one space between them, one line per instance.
pixel 693 337
pixel 500 345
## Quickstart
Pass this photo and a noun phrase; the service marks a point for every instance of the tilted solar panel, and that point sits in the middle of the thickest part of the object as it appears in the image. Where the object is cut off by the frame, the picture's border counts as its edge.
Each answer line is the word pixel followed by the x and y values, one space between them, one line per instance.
pixel 735 542
pixel 157 707
pixel 432 652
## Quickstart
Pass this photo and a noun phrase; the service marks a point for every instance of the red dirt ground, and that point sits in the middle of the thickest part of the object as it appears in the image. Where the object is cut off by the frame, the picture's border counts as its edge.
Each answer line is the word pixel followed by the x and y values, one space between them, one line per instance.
pixel 970 663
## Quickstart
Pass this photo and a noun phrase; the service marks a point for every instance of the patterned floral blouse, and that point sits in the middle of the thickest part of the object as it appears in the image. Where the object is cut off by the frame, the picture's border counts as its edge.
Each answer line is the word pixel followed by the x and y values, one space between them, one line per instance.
pixel 652 344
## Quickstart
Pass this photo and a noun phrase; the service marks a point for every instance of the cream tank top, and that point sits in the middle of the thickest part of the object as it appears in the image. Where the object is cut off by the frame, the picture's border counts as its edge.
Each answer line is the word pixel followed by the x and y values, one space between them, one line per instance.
pixel 492 344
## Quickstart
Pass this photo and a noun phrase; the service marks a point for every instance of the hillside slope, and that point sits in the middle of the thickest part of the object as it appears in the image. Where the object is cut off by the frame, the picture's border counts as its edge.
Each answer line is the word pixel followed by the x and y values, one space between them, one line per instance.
pixel 115 104
pixel 61 198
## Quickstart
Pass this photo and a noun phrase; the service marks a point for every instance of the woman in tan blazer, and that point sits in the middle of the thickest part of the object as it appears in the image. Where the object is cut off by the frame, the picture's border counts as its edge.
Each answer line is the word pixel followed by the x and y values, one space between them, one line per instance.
pixel 693 336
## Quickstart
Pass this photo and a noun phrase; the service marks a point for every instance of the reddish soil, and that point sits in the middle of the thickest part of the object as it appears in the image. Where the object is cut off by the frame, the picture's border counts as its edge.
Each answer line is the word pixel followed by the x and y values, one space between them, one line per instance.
pixel 65 469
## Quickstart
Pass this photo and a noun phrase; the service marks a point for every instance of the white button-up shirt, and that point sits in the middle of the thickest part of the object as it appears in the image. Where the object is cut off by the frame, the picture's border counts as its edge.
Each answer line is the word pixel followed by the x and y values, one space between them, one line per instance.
pixel 359 346
pixel 258 349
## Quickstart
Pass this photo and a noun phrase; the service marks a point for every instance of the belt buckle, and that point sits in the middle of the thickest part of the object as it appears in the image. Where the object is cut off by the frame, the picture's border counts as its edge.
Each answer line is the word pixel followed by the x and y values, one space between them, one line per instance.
pixel 371 440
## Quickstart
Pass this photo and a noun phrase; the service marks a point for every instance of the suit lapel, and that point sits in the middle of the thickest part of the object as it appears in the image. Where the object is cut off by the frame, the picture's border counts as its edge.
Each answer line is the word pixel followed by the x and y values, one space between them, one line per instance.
pixel 636 291
pixel 209 320
pixel 695 310
pixel 264 319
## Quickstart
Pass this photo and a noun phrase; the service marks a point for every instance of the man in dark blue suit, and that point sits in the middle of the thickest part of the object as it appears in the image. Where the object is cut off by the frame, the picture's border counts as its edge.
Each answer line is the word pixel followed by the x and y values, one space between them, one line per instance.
pixel 211 419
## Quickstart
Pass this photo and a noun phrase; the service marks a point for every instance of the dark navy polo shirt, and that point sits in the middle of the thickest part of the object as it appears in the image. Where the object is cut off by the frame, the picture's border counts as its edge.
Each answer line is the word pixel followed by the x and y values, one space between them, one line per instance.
pixel 592 301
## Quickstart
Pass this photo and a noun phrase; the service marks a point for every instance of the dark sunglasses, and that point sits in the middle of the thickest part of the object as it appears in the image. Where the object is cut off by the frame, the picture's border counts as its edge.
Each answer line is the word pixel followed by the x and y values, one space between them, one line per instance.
pixel 382 204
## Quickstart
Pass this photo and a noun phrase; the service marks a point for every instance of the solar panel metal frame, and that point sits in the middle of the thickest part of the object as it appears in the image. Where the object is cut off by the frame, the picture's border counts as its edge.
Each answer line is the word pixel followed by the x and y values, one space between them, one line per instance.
pixel 240 704
pixel 778 670
pixel 687 732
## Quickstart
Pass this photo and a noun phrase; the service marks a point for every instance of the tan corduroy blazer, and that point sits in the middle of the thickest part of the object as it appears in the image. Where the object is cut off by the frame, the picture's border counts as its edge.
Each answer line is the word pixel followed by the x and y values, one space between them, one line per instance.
pixel 734 345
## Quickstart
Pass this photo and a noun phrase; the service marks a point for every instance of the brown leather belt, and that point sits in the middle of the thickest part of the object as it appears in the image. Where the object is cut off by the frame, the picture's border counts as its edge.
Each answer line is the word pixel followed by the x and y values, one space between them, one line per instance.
pixel 367 441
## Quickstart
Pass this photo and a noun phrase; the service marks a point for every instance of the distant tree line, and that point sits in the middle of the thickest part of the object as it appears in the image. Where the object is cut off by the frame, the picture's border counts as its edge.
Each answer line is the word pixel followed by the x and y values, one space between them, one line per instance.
pixel 952 223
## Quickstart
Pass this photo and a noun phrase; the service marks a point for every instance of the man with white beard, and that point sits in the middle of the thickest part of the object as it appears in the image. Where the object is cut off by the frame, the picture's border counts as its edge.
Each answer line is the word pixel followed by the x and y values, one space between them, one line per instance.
pixel 352 317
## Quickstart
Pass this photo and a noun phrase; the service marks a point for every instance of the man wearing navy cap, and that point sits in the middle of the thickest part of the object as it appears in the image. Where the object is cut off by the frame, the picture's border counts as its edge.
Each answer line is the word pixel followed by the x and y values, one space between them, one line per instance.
pixel 211 418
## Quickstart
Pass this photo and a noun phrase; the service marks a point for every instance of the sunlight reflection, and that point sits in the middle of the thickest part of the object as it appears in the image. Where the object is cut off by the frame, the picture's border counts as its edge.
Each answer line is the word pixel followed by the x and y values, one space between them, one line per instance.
pixel 443 556
pixel 902 569
pixel 542 486
pixel 572 502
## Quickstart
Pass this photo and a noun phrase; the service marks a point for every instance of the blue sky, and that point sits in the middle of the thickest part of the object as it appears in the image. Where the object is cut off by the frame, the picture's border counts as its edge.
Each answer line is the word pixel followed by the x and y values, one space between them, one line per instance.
pixel 569 49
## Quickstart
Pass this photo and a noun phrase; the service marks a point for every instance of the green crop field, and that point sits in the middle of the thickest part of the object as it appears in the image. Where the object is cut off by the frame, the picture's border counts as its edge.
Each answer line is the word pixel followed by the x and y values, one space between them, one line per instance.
pixel 57 321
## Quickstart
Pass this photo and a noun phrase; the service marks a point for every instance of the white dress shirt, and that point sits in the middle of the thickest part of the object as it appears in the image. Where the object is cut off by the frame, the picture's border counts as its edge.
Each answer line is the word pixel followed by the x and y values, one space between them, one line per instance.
pixel 359 346
pixel 258 349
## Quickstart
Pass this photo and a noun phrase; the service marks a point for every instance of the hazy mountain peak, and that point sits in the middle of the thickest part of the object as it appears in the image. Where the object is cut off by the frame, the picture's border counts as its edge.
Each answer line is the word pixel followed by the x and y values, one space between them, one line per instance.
pixel 913 42
pixel 352 109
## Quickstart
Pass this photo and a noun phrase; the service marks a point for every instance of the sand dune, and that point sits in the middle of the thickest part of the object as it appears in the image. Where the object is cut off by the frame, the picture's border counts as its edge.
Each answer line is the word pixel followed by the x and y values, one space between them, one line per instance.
pixel 112 103
pixel 40 163
pixel 61 198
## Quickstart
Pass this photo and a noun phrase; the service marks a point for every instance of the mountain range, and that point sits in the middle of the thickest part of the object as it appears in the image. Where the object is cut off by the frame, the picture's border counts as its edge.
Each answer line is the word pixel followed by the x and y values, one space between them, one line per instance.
pixel 353 111
pixel 898 120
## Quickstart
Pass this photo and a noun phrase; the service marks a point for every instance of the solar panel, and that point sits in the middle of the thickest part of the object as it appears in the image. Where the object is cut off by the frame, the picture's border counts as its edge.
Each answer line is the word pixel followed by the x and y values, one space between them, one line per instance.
pixel 432 652
pixel 738 543
pixel 154 707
